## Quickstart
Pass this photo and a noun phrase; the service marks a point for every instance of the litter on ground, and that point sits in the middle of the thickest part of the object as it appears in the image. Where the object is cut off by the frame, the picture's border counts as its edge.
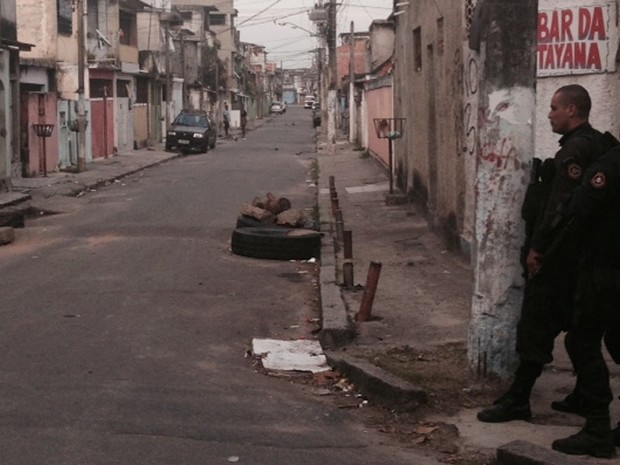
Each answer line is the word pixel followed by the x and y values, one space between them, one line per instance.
pixel 300 355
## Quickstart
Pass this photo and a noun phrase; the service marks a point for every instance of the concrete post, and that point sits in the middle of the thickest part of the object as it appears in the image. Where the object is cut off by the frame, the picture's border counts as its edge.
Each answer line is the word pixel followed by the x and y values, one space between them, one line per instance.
pixel 505 150
pixel 352 113
pixel 332 94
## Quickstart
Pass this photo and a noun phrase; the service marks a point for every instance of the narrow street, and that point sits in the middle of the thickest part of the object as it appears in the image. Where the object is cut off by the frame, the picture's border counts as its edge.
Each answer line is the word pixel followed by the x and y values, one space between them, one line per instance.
pixel 125 323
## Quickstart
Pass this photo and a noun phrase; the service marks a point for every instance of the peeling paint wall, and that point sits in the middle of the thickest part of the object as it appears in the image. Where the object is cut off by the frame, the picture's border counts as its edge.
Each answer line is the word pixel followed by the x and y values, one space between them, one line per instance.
pixel 502 175
pixel 429 78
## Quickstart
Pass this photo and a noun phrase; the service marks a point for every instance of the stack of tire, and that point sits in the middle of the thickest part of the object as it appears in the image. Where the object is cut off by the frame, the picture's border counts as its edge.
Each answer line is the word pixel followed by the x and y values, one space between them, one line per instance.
pixel 261 237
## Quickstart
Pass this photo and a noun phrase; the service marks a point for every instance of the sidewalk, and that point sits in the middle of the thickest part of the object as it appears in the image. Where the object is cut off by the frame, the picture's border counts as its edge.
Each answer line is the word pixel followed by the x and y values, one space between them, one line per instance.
pixel 423 302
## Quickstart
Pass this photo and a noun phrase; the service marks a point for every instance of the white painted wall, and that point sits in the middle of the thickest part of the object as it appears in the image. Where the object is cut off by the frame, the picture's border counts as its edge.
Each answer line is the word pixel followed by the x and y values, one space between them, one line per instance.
pixel 604 88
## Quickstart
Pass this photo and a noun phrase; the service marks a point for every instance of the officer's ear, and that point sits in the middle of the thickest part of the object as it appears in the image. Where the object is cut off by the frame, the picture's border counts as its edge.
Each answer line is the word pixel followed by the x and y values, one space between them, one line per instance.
pixel 571 110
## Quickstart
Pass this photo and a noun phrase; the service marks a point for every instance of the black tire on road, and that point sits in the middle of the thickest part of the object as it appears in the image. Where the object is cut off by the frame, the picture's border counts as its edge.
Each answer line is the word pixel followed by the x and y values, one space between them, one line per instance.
pixel 276 243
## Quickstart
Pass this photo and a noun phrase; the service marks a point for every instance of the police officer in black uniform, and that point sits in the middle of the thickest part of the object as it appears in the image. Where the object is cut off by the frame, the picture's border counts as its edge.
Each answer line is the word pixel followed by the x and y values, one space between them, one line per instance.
pixel 594 233
pixel 547 307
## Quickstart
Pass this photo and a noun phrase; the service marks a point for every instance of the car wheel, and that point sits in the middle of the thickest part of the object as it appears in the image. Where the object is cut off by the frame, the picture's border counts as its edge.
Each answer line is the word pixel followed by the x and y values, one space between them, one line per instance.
pixel 276 243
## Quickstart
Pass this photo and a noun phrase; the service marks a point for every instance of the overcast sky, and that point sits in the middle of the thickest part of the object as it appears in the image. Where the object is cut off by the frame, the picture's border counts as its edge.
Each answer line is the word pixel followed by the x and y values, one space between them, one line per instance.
pixel 283 27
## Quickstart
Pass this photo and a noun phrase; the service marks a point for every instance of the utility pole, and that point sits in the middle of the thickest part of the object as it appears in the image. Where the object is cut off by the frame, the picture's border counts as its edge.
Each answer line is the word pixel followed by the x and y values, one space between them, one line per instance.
pixel 352 112
pixel 81 108
pixel 184 71
pixel 509 69
pixel 332 94
pixel 168 76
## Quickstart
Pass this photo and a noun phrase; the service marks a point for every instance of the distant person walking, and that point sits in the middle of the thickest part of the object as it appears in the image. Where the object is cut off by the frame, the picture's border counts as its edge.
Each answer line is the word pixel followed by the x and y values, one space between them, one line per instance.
pixel 226 120
pixel 244 121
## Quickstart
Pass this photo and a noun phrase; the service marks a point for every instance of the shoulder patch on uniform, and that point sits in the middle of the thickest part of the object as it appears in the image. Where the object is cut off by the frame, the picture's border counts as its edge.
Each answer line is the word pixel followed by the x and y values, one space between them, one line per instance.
pixel 574 171
pixel 599 180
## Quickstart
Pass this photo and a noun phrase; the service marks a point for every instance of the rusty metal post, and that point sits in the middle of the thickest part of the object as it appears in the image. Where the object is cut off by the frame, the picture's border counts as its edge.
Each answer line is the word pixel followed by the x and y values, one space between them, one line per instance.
pixel 339 226
pixel 334 199
pixel 374 271
pixel 347 274
pixel 347 239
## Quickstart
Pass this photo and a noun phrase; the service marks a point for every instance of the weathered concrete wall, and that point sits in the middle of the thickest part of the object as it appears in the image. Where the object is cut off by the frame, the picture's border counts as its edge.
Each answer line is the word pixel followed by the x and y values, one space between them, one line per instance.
pixel 381 42
pixel 429 72
pixel 37 25
pixel 149 32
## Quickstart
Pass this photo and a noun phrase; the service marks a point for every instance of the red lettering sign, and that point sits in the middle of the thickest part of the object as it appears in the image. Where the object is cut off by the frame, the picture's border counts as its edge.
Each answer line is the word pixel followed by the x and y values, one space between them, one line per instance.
pixel 575 39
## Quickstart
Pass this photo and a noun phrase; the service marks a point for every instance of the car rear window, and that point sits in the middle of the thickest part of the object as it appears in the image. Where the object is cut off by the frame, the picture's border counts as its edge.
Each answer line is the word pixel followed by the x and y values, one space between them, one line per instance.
pixel 192 120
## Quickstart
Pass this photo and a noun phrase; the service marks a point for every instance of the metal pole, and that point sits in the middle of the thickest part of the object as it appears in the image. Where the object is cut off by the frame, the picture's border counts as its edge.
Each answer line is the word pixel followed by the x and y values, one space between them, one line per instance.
pixel 369 292
pixel 352 122
pixel 81 116
pixel 44 158
pixel 339 225
pixel 391 166
pixel 348 244
pixel 168 77
pixel 347 274
pixel 332 98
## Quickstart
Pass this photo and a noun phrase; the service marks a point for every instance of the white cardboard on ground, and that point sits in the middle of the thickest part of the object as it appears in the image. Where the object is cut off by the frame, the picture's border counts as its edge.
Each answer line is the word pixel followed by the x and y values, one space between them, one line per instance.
pixel 300 355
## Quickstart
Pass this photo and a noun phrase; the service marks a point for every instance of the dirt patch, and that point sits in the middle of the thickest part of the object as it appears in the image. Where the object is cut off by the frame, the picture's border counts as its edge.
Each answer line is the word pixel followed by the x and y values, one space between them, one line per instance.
pixel 442 372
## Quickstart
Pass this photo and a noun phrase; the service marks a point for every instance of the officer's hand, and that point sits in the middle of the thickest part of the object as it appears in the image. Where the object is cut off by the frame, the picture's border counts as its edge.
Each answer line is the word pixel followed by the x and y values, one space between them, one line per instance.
pixel 533 262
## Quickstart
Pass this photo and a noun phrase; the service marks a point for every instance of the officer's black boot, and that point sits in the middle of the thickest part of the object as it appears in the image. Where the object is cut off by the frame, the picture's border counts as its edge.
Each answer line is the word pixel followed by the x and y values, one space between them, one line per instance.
pixel 515 404
pixel 595 439
pixel 572 403
pixel 508 408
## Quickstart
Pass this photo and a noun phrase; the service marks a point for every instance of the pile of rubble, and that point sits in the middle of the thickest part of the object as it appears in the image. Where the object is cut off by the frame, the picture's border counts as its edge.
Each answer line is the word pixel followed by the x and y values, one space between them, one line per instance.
pixel 273 211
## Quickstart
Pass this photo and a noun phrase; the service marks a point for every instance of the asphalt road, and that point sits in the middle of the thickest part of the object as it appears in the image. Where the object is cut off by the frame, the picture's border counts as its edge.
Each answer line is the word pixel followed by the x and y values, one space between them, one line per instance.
pixel 125 323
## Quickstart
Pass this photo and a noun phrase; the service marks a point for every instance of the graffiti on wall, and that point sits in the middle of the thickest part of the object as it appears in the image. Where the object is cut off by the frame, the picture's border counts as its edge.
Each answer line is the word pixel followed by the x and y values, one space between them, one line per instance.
pixel 470 108
pixel 576 40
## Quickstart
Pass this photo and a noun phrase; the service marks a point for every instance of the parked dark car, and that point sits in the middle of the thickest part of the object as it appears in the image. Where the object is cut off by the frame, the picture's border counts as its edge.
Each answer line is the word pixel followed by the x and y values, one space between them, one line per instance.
pixel 277 108
pixel 191 131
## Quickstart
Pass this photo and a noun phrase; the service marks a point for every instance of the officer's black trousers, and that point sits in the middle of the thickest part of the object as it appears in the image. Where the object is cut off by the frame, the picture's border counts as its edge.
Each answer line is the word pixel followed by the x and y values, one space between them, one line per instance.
pixel 594 303
pixel 546 311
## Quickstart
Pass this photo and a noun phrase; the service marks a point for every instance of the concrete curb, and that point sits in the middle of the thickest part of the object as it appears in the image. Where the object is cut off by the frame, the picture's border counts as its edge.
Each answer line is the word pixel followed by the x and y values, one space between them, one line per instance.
pixel 378 385
pixel 336 329
pixel 526 453
pixel 9 199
